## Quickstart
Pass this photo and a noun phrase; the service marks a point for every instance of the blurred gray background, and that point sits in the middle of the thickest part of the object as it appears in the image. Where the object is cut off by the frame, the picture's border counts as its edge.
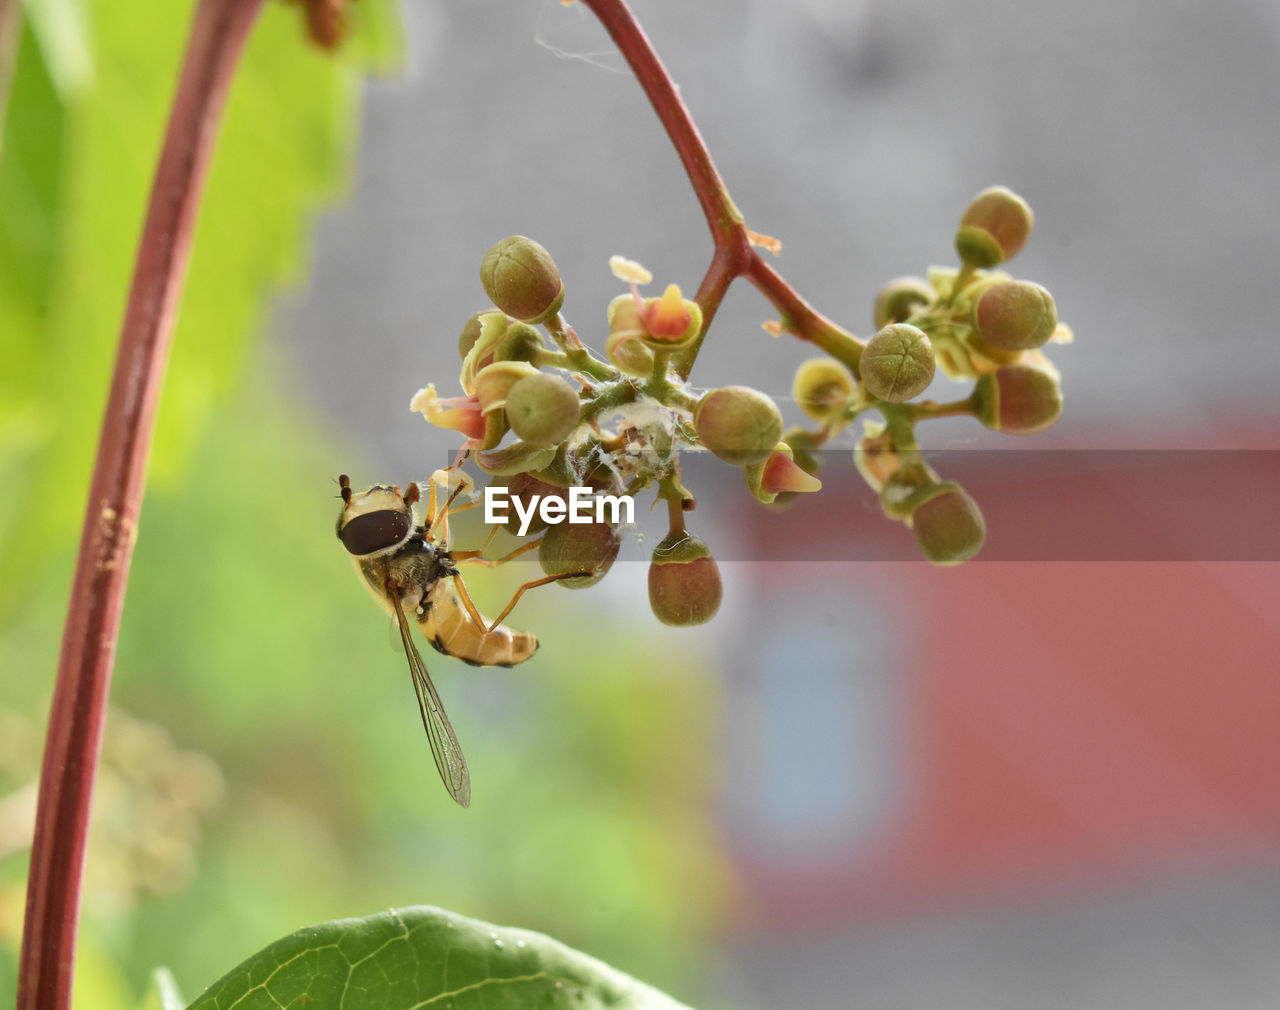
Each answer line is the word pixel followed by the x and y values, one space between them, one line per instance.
pixel 1145 135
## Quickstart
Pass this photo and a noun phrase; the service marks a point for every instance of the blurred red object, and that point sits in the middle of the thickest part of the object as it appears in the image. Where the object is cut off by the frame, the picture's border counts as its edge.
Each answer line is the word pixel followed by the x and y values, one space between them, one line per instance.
pixel 1060 721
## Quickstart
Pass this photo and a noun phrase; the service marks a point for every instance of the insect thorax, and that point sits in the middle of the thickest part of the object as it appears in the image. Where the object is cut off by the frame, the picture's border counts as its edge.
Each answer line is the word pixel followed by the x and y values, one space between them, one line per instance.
pixel 415 568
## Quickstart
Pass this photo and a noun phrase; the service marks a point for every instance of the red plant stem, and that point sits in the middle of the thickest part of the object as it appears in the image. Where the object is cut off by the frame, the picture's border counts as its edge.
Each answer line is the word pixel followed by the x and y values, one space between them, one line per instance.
pixel 722 216
pixel 734 255
pixel 800 318
pixel 106 545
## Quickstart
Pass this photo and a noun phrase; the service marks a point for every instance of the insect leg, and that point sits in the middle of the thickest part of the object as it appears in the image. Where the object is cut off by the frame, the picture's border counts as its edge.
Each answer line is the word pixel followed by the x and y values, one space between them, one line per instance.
pixel 527 586
pixel 475 615
pixel 472 612
pixel 441 518
pixel 478 558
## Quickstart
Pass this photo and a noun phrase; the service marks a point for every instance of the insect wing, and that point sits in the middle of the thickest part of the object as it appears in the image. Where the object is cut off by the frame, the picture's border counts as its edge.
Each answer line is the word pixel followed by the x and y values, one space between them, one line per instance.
pixel 444 744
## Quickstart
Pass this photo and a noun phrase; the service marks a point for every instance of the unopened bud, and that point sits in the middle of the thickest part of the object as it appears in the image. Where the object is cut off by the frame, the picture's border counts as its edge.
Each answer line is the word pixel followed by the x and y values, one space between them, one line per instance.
pixel 739 424
pixel 993 228
pixel 521 279
pixel 1018 399
pixel 948 524
pixel 1015 315
pixel 821 387
pixel 897 363
pixel 684 581
pixel 522 343
pixel 899 298
pixel 589 548
pixel 543 409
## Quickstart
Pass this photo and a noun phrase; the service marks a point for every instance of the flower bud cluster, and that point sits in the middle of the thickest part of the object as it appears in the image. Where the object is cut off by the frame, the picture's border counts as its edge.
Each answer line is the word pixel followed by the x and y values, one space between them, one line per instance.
pixel 541 413
pixel 972 323
pixel 541 416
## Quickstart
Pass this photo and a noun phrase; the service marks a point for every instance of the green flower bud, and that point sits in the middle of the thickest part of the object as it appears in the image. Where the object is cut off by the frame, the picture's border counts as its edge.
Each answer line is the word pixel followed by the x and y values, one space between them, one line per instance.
pixel 993 228
pixel 521 279
pixel 521 343
pixel 684 581
pixel 897 363
pixel 625 345
pixel 821 387
pixel 948 524
pixel 739 424
pixel 1015 315
pixel 1018 400
pixel 899 298
pixel 590 548
pixel 543 409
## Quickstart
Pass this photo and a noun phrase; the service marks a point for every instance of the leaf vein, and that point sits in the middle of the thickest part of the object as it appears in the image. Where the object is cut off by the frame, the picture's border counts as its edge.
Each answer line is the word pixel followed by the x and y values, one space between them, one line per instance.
pixel 480 985
pixel 275 971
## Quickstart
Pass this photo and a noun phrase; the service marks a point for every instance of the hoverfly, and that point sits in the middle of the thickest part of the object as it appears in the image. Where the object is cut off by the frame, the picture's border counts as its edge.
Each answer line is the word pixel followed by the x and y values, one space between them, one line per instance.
pixel 407 566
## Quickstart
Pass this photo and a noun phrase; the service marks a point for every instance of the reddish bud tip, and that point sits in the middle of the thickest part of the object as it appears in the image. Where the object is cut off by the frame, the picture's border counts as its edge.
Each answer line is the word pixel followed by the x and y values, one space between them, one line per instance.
pixel 667 317
pixel 781 473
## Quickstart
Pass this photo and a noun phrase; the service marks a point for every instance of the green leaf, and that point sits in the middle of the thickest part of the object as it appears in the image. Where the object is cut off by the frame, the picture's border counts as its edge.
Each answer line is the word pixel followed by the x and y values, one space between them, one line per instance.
pixel 424 957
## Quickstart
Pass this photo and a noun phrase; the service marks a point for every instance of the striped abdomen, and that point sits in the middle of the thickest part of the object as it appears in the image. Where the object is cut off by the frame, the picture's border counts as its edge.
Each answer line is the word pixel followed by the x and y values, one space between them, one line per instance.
pixel 449 628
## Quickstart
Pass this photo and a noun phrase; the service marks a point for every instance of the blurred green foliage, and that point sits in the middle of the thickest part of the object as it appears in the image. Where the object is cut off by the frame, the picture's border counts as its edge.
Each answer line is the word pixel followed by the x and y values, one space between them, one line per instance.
pixel 86 112
pixel 246 636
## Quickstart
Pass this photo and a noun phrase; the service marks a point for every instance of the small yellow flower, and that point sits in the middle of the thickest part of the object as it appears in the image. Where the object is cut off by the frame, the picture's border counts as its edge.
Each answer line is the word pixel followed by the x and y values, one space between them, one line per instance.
pixel 457 413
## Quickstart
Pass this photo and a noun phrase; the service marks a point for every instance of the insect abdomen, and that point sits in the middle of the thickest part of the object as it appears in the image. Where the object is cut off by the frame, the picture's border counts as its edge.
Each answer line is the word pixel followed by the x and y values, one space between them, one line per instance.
pixel 449 628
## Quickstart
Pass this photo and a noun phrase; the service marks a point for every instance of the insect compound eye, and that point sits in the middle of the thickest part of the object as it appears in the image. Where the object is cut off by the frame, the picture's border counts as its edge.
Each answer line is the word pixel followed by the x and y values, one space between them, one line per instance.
pixel 375 531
